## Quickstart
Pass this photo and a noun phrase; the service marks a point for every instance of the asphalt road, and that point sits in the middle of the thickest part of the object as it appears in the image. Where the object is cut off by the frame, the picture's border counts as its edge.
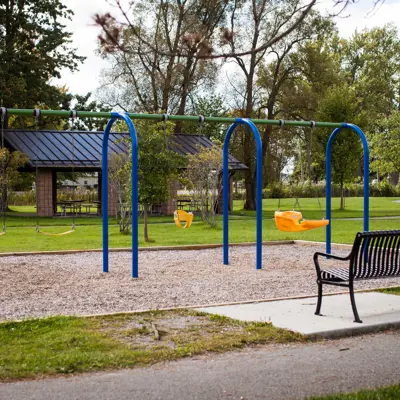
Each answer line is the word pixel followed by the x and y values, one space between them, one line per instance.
pixel 271 372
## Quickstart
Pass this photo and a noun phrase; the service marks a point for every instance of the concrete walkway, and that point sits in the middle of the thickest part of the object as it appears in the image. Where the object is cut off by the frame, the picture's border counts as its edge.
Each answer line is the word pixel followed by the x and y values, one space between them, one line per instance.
pixel 377 310
pixel 289 372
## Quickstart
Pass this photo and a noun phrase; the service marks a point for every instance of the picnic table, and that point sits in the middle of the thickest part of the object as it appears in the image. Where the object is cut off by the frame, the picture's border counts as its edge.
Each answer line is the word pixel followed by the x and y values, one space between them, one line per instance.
pixel 73 205
pixel 182 203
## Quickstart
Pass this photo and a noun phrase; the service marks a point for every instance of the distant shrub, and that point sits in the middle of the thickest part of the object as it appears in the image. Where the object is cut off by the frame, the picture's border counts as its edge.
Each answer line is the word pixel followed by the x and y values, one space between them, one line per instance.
pixel 27 198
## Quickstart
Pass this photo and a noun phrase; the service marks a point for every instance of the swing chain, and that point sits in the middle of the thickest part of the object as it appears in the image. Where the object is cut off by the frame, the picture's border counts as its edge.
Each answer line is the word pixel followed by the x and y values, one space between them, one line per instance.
pixel 281 126
pixel 3 168
pixel 313 125
pixel 36 114
pixel 73 116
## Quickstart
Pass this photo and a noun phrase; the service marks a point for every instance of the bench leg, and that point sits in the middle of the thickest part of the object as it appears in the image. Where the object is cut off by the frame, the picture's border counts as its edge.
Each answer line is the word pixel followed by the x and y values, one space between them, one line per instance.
pixel 319 302
pixel 353 305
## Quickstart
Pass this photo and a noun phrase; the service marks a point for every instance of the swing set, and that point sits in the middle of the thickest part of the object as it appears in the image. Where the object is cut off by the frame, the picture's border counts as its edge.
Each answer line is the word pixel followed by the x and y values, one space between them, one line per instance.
pixel 293 221
pixel 290 220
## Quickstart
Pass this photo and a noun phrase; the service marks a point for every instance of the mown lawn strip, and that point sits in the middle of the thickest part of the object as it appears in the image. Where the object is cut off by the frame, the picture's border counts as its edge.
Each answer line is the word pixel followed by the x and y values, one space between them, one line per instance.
pixel 64 345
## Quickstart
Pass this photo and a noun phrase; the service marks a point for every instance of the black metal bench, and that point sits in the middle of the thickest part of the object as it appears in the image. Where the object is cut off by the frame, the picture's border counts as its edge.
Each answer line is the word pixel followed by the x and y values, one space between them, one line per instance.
pixel 374 255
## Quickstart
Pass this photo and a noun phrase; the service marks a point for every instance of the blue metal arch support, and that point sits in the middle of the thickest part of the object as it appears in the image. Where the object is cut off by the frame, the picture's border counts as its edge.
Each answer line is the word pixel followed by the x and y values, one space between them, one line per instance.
pixel 104 191
pixel 257 137
pixel 329 180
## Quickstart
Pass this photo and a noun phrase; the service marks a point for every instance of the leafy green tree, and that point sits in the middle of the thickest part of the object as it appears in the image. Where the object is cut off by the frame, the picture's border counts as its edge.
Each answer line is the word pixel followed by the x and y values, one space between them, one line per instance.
pixel 85 103
pixel 204 176
pixel 340 105
pixel 264 83
pixel 10 162
pixel 372 64
pixel 208 106
pixel 385 145
pixel 34 47
pixel 158 166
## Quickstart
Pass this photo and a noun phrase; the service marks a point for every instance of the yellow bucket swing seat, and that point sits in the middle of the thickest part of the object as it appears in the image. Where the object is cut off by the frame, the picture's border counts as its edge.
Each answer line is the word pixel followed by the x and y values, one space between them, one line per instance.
pixel 183 216
pixel 292 221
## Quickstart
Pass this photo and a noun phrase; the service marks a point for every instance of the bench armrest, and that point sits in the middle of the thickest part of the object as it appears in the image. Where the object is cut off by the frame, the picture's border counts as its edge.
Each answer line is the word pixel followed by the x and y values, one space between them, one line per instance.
pixel 318 254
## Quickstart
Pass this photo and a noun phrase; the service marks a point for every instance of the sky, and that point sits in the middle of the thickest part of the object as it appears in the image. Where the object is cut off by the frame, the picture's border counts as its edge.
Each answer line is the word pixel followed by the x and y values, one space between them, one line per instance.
pixel 359 16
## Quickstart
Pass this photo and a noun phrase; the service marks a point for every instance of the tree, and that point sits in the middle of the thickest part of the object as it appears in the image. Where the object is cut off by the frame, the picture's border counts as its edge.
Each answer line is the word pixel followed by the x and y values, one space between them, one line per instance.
pixel 311 69
pixel 118 178
pixel 372 65
pixel 158 166
pixel 10 162
pixel 260 100
pixel 204 175
pixel 34 47
pixel 208 106
pixel 278 30
pixel 385 145
pixel 340 104
pixel 147 80
pixel 84 103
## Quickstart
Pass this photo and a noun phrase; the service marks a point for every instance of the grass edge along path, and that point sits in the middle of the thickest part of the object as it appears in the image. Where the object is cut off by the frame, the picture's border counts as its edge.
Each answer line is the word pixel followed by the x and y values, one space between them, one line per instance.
pixel 392 290
pixel 51 346
pixel 384 393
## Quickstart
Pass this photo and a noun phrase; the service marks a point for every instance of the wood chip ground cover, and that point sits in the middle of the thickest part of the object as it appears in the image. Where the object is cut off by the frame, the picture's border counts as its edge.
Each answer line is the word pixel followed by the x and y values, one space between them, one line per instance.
pixel 74 284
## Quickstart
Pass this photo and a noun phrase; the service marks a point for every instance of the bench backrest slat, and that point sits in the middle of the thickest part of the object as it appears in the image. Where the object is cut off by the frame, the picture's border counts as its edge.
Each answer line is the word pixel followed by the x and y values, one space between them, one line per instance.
pixel 376 254
pixel 396 263
pixel 394 242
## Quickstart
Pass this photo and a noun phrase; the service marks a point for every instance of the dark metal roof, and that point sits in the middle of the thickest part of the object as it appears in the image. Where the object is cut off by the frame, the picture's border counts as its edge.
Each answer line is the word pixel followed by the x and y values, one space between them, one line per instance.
pixel 62 148
pixel 82 149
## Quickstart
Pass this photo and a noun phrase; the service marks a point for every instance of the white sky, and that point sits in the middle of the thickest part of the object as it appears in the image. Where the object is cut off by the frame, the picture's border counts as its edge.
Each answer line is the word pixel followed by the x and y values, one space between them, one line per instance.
pixel 85 34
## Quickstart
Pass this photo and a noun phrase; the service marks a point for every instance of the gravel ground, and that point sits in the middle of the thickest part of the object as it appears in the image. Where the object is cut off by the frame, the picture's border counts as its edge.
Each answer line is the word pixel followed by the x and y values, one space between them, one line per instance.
pixel 40 285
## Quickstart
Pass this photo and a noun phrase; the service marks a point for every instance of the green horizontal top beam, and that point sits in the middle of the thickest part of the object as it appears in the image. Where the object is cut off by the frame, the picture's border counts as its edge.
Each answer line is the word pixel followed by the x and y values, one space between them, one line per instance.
pixel 160 117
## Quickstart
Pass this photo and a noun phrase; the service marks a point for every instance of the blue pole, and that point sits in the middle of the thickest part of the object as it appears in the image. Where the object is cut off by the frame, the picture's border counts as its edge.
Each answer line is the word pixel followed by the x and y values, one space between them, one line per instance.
pixel 134 193
pixel 104 198
pixel 366 172
pixel 257 137
pixel 225 183
pixel 328 199
pixel 104 190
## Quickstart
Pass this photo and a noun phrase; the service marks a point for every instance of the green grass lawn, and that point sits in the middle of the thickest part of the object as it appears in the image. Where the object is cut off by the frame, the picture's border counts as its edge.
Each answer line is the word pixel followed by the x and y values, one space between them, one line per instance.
pixel 163 234
pixel 393 290
pixel 163 231
pixel 385 393
pixel 65 345
pixel 379 207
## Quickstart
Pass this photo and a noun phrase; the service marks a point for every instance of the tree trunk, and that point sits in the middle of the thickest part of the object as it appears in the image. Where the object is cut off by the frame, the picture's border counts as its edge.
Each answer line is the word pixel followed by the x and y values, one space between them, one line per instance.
pixel 248 143
pixel 342 203
pixel 145 228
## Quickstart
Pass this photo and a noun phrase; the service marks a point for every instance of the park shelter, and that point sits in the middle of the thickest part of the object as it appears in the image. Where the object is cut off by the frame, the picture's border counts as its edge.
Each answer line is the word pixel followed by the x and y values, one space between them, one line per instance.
pixel 51 151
